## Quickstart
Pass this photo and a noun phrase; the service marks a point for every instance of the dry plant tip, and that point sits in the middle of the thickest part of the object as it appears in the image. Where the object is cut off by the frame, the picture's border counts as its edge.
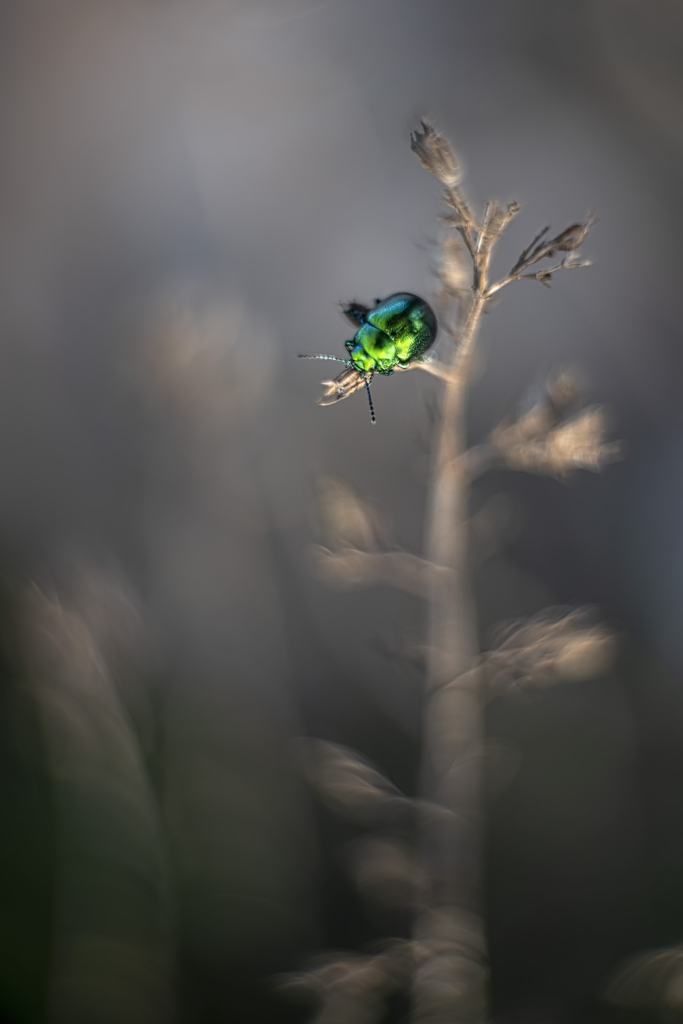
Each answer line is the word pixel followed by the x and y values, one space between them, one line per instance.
pixel 435 154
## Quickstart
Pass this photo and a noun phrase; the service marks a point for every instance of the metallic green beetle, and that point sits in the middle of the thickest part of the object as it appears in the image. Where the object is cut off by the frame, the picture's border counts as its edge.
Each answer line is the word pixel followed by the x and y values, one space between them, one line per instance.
pixel 396 331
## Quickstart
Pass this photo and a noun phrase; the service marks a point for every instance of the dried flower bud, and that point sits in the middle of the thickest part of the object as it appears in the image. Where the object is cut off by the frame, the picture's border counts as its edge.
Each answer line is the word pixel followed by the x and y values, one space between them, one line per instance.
pixel 572 237
pixel 435 154
pixel 495 221
pixel 541 248
pixel 555 646
pixel 579 443
pixel 194 363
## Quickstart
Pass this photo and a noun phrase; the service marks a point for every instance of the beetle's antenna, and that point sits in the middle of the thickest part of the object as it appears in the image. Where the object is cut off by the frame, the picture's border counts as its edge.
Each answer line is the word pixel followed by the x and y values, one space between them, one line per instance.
pixel 337 359
pixel 367 388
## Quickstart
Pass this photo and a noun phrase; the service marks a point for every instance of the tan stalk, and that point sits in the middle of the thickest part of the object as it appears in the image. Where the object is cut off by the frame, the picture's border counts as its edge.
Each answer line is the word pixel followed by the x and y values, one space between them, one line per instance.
pixel 449 984
pixel 449 949
pixel 450 980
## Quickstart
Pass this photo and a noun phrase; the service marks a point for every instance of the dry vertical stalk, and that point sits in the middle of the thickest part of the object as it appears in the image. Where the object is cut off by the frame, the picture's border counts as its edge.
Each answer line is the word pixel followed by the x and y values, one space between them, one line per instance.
pixel 449 954
pixel 450 983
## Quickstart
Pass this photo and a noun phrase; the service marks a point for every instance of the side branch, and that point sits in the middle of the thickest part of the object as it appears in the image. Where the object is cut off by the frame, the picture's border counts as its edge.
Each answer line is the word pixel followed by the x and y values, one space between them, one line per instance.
pixel 450 984
pixel 351 567
pixel 567 241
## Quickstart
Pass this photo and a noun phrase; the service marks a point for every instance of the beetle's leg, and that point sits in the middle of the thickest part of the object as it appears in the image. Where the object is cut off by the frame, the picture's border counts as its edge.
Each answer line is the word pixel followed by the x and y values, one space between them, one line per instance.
pixel 356 313
pixel 337 359
pixel 367 388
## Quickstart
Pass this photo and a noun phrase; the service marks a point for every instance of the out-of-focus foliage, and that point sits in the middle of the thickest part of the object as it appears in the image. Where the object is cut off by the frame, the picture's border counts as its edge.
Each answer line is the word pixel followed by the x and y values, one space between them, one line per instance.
pixel 349 783
pixel 557 645
pixel 210 359
pixel 652 981
pixel 350 988
pixel 113 924
pixel 347 520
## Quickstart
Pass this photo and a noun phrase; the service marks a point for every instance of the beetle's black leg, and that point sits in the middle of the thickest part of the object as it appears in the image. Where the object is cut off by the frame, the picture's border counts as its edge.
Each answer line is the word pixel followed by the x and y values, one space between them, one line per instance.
pixel 355 312
pixel 367 388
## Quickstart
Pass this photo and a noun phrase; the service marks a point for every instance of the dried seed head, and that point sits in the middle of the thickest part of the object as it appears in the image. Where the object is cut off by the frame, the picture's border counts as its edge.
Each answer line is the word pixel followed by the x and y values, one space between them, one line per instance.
pixel 579 443
pixel 575 443
pixel 558 645
pixel 435 154
pixel 496 216
pixel 542 248
pixel 572 237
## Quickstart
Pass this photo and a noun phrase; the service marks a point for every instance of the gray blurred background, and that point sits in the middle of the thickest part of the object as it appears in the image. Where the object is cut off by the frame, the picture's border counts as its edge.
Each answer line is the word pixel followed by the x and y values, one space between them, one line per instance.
pixel 187 192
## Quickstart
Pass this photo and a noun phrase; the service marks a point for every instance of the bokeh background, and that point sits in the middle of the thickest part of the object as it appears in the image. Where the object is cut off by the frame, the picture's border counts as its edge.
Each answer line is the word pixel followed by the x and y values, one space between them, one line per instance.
pixel 188 190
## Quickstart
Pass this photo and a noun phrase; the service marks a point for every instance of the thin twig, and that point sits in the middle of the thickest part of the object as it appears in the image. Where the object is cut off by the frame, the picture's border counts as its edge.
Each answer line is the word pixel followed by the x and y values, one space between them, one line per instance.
pixel 453 986
pixel 432 366
pixel 541 275
pixel 351 567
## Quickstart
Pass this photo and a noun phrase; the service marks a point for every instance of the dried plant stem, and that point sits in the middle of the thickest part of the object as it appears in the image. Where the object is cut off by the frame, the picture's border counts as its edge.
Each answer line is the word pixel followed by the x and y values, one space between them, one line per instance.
pixel 449 984
pixel 448 950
